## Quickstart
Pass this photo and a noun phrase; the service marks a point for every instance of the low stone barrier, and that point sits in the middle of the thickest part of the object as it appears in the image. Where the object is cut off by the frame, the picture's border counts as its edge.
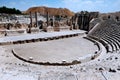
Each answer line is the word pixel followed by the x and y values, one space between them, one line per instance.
pixel 97 53
pixel 39 39
pixel 62 63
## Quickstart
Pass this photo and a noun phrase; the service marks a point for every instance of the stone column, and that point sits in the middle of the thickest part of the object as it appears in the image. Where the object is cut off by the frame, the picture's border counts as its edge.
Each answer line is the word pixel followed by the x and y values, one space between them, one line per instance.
pixel 79 22
pixel 30 19
pixel 47 19
pixel 71 23
pixel 72 20
pixel 76 22
pixel 53 21
pixel 87 23
pixel 29 31
pixel 82 21
pixel 36 19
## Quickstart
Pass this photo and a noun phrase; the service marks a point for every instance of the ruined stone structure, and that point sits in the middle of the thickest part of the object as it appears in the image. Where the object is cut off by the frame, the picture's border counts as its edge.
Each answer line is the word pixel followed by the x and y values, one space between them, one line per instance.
pixel 114 16
pixel 82 19
pixel 103 17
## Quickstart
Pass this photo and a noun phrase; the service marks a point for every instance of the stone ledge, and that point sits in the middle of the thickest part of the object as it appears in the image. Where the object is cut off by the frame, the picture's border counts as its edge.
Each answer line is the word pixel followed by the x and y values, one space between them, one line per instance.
pixel 40 39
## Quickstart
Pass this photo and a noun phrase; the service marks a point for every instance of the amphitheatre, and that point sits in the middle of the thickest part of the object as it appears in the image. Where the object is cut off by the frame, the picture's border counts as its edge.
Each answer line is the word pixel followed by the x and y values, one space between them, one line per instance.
pixel 57 44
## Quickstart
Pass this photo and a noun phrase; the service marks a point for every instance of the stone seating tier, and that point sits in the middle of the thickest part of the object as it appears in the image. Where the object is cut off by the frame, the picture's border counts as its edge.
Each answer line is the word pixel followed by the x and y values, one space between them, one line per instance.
pixel 108 33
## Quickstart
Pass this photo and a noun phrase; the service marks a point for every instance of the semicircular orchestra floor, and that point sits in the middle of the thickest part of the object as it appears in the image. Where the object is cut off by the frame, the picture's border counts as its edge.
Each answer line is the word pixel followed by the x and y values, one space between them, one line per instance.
pixel 66 51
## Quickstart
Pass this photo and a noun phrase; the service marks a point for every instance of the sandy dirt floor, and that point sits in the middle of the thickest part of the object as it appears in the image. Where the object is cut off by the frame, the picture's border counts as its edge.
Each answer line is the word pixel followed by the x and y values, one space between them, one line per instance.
pixel 56 51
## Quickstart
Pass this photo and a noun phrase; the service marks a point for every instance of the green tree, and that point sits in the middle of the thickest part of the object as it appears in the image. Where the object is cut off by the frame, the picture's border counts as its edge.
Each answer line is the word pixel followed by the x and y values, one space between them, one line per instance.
pixel 9 10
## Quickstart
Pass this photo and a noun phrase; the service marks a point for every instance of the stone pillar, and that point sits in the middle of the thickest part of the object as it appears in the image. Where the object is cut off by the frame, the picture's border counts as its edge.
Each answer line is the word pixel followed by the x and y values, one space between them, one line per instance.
pixel 36 22
pixel 53 21
pixel 79 21
pixel 71 25
pixel 47 19
pixel 72 20
pixel 87 23
pixel 76 23
pixel 30 19
pixel 29 30
pixel 82 21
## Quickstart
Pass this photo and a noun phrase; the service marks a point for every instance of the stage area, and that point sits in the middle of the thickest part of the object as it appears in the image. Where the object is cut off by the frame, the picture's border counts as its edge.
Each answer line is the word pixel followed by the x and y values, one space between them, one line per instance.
pixel 55 52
